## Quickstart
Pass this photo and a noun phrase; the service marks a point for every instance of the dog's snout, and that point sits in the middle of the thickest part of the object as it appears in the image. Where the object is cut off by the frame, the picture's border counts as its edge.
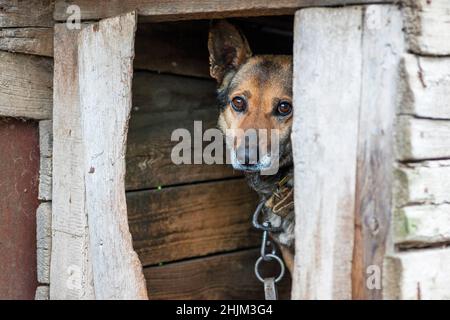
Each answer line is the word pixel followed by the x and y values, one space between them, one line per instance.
pixel 247 154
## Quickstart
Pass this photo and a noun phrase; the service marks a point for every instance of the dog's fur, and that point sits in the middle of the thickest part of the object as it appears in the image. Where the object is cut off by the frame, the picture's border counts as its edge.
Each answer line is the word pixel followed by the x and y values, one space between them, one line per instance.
pixel 264 81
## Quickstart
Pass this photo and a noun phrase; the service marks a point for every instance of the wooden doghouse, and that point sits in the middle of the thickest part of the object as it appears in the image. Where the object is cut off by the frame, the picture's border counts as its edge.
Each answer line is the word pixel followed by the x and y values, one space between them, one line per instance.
pixel 119 220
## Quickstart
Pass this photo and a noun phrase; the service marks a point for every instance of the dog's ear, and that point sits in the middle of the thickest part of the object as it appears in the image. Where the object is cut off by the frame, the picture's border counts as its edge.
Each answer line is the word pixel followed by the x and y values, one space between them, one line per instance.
pixel 228 49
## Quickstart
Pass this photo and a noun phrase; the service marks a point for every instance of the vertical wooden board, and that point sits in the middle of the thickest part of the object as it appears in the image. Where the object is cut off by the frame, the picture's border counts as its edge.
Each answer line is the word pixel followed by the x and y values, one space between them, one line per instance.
pixel 26 13
pixel 70 270
pixel 105 53
pixel 327 42
pixel 19 165
pixel 428 26
pixel 382 49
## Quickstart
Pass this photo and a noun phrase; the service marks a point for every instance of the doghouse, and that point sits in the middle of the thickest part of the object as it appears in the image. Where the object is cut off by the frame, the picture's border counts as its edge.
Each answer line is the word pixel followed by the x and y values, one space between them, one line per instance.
pixel 370 139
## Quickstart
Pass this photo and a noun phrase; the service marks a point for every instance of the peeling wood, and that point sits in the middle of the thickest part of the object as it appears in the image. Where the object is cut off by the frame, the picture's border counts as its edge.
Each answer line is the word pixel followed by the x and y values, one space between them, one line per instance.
pixel 36 41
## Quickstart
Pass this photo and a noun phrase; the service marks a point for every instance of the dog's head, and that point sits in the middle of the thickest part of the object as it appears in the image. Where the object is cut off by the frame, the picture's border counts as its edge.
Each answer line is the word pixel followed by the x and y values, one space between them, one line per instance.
pixel 254 92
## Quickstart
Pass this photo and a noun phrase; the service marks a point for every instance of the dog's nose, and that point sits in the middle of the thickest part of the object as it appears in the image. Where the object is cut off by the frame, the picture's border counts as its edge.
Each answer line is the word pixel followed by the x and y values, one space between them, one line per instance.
pixel 247 155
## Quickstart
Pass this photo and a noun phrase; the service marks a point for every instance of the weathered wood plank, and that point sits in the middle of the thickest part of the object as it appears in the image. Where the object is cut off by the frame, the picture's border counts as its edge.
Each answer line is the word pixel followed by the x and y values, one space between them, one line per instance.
pixel 161 104
pixel 194 9
pixel 70 270
pixel 422 183
pixel 25 86
pixel 44 241
pixel 105 56
pixel 422 139
pixel 37 41
pixel 192 220
pixel 45 165
pixel 382 33
pixel 29 13
pixel 418 275
pixel 428 26
pixel 426 86
pixel 223 277
pixel 327 42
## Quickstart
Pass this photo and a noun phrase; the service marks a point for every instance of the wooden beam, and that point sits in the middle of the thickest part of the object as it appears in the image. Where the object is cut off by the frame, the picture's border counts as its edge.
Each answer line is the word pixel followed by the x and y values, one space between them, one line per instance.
pixel 105 55
pixel 29 13
pixel 219 277
pixel 154 10
pixel 25 86
pixel 327 42
pixel 382 33
pixel 70 270
pixel 425 86
pixel 418 275
pixel 37 41
pixel 427 26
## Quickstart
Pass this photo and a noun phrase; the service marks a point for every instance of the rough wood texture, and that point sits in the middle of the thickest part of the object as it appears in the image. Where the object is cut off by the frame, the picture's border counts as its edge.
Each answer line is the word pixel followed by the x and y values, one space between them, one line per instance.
pixel 428 26
pixel 70 271
pixel 418 275
pixel 327 42
pixel 25 86
pixel 161 104
pixel 44 241
pixel 190 10
pixel 42 293
pixel 105 55
pixel 382 33
pixel 422 139
pixel 27 13
pixel 426 86
pixel 19 165
pixel 192 220
pixel 45 166
pixel 37 41
pixel 224 277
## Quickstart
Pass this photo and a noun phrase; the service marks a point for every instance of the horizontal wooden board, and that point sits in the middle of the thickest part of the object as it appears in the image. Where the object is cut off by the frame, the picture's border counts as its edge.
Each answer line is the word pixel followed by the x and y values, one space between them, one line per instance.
pixel 161 104
pixel 38 41
pixel 426 86
pixel 428 26
pixel 417 275
pixel 193 220
pixel 220 277
pixel 26 86
pixel 29 13
pixel 422 139
pixel 422 183
pixel 195 9
pixel 422 225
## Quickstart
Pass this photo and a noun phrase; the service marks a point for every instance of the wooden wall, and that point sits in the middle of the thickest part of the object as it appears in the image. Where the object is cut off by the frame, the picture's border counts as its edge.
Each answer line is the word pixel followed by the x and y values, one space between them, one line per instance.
pixel 191 224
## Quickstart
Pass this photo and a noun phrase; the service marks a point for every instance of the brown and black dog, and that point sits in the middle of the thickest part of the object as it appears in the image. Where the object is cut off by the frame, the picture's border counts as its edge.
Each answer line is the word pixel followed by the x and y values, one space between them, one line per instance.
pixel 255 92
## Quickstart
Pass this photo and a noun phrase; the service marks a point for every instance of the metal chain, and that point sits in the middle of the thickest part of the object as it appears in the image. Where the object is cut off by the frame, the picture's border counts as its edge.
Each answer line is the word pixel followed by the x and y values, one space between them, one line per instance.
pixel 266 227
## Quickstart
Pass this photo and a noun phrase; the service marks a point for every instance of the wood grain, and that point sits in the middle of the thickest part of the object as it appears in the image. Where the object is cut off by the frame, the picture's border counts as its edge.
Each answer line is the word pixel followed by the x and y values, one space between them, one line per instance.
pixel 161 104
pixel 327 43
pixel 29 13
pixel 25 86
pixel 193 220
pixel 37 41
pixel 105 56
pixel 220 277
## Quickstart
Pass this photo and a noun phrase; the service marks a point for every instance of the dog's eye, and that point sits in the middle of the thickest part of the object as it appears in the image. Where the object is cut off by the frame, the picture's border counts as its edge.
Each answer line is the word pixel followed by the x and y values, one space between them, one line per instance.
pixel 284 108
pixel 239 104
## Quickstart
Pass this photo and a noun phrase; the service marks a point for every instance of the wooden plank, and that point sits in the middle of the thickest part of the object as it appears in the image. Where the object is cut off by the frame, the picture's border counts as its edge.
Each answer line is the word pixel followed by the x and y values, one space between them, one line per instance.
pixel 418 275
pixel 37 41
pixel 43 241
pixel 45 165
pixel 192 220
pixel 428 26
pixel 325 135
pixel 422 183
pixel 105 55
pixel 19 167
pixel 161 104
pixel 29 13
pixel 220 277
pixel 155 11
pixel 422 225
pixel 382 33
pixel 426 87
pixel 70 270
pixel 422 139
pixel 25 86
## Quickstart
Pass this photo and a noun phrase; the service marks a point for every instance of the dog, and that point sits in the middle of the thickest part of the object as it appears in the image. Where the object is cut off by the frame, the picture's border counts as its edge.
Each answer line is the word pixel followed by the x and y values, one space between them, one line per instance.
pixel 255 92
